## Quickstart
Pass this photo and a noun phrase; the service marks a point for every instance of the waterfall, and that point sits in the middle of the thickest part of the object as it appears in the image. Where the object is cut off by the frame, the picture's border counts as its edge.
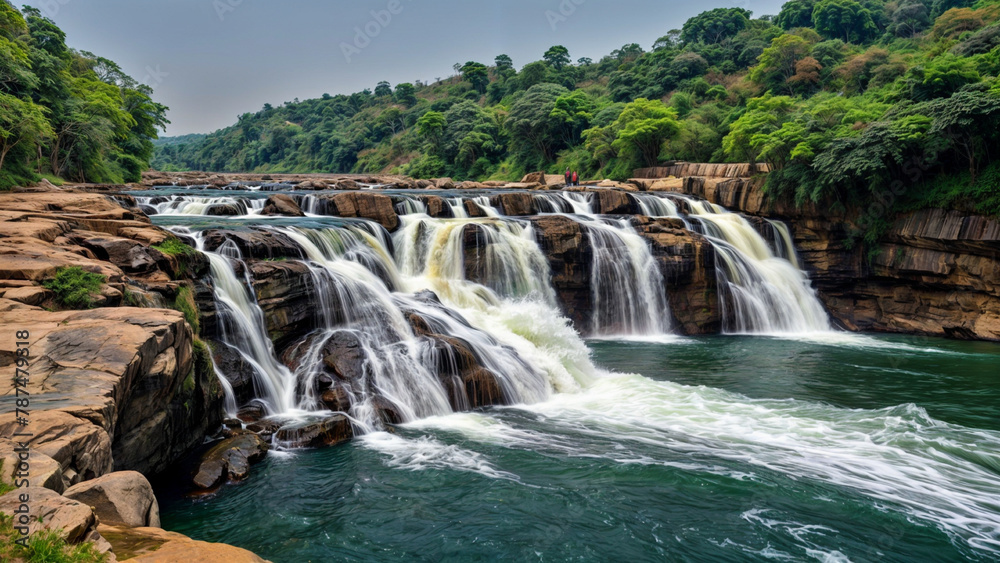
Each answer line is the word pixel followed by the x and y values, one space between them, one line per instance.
pixel 762 292
pixel 628 288
pixel 578 203
pixel 188 205
pixel 242 326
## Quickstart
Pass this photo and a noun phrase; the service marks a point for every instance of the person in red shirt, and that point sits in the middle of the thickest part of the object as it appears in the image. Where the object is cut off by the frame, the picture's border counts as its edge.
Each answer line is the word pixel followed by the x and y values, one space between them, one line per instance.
pixel 576 179
pixel 568 177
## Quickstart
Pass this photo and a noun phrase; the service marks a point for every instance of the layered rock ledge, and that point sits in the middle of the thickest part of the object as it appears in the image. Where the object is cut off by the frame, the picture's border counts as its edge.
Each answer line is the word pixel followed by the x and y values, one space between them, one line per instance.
pixel 112 388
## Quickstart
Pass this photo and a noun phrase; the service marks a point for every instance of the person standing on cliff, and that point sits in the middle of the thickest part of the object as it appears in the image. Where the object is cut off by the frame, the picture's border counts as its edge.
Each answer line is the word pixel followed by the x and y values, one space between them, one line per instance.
pixel 568 177
pixel 576 179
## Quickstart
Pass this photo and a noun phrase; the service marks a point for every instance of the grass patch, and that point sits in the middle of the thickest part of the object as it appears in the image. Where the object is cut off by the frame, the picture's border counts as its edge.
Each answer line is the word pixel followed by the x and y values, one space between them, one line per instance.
pixel 43 547
pixel 184 302
pixel 4 486
pixel 75 287
pixel 54 180
pixel 180 251
pixel 174 247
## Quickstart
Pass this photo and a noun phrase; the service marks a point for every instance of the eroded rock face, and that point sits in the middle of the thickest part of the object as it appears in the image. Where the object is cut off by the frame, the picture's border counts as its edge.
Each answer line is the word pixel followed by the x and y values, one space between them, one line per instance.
pixel 229 459
pixel 375 207
pixel 570 257
pixel 124 498
pixel 935 272
pixel 687 262
pixel 281 204
pixel 114 387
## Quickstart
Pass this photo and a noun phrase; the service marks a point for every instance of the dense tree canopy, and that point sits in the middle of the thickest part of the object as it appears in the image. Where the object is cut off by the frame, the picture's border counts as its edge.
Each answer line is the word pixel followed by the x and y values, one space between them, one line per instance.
pixel 67 113
pixel 843 99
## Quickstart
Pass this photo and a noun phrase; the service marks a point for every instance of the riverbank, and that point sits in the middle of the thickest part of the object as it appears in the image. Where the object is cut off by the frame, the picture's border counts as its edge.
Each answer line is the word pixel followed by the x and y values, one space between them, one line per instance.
pixel 129 384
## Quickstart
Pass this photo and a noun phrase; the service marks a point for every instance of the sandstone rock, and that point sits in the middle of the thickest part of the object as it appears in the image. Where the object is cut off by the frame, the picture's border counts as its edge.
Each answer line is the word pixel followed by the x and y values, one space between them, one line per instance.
pixel 71 520
pixel 613 202
pixel 443 183
pixel 327 432
pixel 153 545
pixel 375 207
pixel 123 498
pixel 514 204
pixel 254 243
pixel 535 178
pixel 570 257
pixel 474 210
pixel 122 381
pixel 230 458
pixel 43 471
pixel 436 206
pixel 285 293
pixel 281 204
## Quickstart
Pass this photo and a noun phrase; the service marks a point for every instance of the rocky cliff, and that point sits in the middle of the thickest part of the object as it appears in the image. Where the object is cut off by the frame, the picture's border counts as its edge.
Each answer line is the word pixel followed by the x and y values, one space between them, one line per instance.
pixel 935 272
pixel 125 385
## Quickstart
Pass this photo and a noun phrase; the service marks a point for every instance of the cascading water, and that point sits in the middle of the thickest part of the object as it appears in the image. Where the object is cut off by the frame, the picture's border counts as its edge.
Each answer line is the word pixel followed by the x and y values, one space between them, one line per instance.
pixel 764 291
pixel 495 296
pixel 628 288
pixel 768 294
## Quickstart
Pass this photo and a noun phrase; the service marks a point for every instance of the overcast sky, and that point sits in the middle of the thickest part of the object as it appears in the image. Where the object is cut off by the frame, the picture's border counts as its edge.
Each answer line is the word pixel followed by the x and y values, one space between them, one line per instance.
pixel 211 60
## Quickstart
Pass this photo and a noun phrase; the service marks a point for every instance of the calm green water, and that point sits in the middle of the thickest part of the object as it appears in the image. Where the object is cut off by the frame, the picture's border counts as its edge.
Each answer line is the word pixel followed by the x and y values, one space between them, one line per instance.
pixel 725 449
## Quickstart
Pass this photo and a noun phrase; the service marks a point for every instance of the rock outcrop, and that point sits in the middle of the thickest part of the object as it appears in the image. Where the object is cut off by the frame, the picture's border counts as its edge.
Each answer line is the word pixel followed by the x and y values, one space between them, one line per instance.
pixel 934 272
pixel 124 498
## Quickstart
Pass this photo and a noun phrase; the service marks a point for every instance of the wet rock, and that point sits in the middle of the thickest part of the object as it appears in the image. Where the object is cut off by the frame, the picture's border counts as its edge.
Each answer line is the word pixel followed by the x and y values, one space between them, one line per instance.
pixel 436 206
pixel 344 356
pixel 252 412
pixel 229 459
pixel 336 399
pixel 254 243
pixel 285 293
pixel 570 257
pixel 123 498
pixel 474 210
pixel 614 202
pixel 514 204
pixel 281 204
pixel 236 369
pixel 324 382
pixel 226 210
pixel 375 207
pixel 327 432
pixel 386 411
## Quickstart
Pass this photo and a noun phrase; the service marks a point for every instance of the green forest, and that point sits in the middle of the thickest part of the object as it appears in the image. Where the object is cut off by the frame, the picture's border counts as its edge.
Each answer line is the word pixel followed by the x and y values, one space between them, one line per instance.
pixel 845 100
pixel 67 114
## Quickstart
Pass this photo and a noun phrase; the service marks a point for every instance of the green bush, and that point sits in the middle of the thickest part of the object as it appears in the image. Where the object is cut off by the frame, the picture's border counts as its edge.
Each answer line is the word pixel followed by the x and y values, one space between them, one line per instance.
pixel 74 287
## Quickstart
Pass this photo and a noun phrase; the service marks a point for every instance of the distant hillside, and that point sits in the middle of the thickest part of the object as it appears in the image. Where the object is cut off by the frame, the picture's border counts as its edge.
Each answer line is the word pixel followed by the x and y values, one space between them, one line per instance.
pixel 179 140
pixel 893 104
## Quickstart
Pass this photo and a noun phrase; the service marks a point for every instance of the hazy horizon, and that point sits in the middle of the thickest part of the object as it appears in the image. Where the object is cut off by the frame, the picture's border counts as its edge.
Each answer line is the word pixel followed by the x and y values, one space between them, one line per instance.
pixel 212 60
